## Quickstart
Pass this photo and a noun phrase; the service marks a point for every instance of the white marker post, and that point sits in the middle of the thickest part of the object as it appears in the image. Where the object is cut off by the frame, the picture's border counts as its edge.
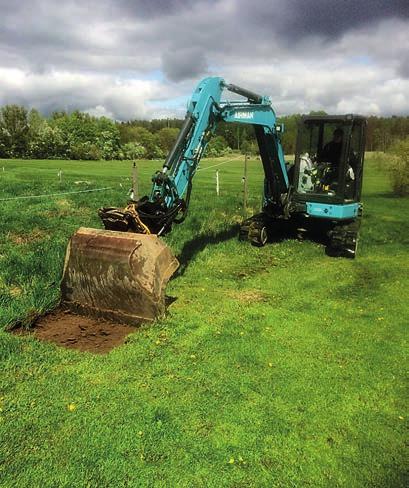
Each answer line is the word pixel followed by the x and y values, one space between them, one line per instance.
pixel 60 175
pixel 134 189
pixel 217 183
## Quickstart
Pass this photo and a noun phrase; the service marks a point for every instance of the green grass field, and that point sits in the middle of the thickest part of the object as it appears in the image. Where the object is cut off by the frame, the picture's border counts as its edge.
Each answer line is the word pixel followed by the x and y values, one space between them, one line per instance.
pixel 275 367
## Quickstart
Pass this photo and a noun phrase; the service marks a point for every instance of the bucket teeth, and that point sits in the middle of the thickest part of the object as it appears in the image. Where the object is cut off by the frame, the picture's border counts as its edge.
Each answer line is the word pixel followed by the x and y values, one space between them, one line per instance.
pixel 118 276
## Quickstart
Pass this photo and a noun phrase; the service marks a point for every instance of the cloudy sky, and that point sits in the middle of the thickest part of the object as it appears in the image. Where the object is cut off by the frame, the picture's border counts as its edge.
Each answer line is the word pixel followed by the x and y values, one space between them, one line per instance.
pixel 140 59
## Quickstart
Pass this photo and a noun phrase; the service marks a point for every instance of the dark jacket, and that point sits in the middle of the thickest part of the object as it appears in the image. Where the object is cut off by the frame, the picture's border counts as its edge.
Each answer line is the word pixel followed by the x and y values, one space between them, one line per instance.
pixel 332 153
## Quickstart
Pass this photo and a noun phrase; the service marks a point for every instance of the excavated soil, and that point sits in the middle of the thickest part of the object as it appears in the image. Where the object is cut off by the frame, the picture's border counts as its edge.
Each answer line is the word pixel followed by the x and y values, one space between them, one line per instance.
pixel 77 332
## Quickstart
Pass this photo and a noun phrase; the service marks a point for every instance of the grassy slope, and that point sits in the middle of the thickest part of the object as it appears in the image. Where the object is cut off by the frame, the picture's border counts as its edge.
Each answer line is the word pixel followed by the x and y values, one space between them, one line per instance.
pixel 275 367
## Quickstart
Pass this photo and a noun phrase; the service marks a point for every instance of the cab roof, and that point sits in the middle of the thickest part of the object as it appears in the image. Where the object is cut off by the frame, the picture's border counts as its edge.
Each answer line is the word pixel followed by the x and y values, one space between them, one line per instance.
pixel 334 118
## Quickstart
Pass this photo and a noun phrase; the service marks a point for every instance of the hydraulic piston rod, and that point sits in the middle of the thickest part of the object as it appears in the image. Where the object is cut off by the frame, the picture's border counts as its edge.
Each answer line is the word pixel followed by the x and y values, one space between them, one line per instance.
pixel 251 96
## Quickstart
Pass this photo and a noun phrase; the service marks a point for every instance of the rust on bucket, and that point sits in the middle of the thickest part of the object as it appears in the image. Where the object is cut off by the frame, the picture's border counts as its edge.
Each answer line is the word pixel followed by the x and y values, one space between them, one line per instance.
pixel 118 276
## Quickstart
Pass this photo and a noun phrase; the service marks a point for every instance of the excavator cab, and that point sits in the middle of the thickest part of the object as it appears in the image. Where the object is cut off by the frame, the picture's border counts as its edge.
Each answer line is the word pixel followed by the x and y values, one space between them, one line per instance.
pixel 327 178
pixel 329 159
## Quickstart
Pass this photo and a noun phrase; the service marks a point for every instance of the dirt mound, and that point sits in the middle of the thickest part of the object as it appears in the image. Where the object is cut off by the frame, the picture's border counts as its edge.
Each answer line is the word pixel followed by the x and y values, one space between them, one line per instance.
pixel 78 332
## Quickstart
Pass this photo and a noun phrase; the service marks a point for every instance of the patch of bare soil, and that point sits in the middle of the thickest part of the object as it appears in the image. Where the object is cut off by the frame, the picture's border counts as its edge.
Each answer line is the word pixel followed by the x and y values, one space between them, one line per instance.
pixel 249 296
pixel 77 332
pixel 35 235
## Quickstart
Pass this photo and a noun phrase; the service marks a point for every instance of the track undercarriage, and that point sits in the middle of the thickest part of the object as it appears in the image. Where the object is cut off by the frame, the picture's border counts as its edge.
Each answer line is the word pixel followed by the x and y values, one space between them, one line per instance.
pixel 340 238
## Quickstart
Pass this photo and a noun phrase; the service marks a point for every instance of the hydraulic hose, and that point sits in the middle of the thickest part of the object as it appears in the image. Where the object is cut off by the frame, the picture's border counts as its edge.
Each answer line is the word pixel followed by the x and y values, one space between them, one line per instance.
pixel 180 142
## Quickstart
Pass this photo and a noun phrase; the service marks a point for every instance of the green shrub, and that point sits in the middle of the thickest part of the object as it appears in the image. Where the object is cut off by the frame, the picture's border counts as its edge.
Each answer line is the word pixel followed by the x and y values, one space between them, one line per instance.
pixel 85 151
pixel 249 148
pixel 47 142
pixel 133 150
pixel 217 147
pixel 399 168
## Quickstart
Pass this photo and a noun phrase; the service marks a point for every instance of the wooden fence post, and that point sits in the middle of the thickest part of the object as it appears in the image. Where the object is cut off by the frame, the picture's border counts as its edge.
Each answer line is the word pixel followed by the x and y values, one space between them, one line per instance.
pixel 135 189
pixel 245 189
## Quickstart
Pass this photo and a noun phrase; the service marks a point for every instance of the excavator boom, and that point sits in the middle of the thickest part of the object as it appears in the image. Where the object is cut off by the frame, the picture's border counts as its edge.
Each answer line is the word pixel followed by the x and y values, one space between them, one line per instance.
pixel 120 273
pixel 168 201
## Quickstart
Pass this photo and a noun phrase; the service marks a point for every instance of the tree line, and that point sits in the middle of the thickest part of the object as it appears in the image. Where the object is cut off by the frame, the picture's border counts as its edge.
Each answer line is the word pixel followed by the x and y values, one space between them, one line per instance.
pixel 78 135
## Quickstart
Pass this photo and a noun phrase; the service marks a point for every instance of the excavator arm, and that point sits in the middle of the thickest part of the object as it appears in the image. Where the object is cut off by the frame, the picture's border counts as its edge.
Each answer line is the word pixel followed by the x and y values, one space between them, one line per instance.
pixel 121 273
pixel 169 199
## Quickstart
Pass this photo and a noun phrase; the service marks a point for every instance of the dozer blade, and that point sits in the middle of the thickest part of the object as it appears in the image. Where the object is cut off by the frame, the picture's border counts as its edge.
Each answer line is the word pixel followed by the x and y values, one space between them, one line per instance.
pixel 118 276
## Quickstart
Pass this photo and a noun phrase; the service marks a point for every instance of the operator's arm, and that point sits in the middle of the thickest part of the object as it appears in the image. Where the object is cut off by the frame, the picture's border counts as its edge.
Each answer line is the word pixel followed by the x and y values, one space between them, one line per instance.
pixel 325 153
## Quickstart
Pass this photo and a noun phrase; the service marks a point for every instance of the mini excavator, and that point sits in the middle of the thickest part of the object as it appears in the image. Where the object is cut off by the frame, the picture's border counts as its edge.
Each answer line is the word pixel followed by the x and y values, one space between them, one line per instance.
pixel 120 273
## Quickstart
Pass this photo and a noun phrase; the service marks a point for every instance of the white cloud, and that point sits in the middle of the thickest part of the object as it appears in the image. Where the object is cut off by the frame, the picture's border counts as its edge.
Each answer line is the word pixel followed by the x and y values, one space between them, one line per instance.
pixel 101 94
pixel 133 59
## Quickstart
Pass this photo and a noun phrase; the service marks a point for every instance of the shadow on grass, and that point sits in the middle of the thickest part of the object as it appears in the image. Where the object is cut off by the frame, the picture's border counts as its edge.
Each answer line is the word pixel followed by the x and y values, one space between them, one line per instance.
pixel 388 194
pixel 197 244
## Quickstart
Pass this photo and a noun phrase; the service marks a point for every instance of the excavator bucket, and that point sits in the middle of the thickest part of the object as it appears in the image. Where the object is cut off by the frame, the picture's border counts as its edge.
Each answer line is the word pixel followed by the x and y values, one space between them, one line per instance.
pixel 119 276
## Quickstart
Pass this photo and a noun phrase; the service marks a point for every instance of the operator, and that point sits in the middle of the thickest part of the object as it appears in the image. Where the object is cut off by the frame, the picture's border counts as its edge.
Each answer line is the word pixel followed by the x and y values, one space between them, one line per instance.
pixel 333 149
pixel 332 154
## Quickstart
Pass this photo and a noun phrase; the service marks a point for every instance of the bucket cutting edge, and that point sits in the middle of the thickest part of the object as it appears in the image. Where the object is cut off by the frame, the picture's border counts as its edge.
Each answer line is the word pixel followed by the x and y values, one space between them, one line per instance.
pixel 116 275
